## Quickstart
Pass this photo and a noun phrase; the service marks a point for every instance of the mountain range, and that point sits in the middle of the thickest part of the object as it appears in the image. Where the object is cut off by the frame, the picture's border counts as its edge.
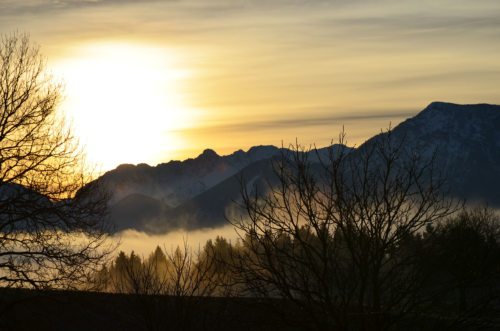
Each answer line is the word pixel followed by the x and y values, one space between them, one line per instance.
pixel 200 192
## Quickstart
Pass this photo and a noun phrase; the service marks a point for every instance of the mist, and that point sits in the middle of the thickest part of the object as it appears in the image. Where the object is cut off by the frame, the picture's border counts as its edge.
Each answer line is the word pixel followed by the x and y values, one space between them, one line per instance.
pixel 143 243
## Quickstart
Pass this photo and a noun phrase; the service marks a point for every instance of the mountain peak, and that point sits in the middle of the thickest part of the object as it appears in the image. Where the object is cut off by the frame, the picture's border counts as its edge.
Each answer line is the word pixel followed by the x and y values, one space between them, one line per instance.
pixel 125 166
pixel 439 106
pixel 263 151
pixel 443 115
pixel 442 105
pixel 208 154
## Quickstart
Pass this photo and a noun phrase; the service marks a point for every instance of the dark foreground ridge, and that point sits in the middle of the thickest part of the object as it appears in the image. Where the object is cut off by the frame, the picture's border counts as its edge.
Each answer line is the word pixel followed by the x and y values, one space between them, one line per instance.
pixel 73 310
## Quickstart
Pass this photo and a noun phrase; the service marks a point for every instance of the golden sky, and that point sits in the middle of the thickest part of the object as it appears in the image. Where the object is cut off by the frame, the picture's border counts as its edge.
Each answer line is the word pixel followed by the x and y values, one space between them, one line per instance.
pixel 149 81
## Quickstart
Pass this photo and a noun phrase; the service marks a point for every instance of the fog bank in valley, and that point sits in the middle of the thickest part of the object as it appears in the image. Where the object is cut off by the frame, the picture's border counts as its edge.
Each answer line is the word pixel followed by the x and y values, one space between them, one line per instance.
pixel 143 244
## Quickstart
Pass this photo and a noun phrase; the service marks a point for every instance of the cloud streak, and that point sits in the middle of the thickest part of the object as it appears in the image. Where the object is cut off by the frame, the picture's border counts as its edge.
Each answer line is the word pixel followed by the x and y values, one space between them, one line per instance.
pixel 306 121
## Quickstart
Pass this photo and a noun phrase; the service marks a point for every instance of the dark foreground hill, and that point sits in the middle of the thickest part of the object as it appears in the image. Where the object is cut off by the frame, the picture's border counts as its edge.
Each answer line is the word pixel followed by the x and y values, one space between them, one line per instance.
pixel 198 193
pixel 70 310
pixel 79 311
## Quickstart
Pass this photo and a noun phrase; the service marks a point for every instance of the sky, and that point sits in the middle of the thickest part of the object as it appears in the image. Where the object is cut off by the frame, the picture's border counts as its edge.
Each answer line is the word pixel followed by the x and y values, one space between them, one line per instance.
pixel 149 81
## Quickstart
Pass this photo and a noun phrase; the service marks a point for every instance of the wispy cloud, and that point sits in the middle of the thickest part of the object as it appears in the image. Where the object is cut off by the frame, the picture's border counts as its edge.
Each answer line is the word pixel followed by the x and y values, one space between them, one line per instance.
pixel 467 76
pixel 304 121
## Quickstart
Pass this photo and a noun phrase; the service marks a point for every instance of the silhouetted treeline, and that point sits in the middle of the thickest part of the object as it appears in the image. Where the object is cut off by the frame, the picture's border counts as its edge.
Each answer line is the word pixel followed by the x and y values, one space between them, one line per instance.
pixel 179 272
pixel 449 274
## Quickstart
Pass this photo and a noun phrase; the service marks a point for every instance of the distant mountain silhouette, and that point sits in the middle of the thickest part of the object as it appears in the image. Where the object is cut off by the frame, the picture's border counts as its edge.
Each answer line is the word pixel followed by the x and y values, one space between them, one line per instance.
pixel 175 182
pixel 144 196
pixel 199 192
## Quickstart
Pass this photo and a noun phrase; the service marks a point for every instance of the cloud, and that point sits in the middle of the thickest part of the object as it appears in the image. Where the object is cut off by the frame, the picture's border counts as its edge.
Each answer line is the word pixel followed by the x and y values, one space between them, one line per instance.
pixel 305 121
pixel 451 77
pixel 16 7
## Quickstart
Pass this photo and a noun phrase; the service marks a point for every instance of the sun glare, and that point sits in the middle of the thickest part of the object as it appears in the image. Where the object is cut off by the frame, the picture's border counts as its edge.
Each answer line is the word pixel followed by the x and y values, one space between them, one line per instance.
pixel 125 101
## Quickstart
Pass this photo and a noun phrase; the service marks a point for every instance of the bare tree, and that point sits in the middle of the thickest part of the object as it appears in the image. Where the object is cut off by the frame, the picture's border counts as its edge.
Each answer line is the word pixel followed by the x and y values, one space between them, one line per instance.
pixel 338 237
pixel 169 288
pixel 52 233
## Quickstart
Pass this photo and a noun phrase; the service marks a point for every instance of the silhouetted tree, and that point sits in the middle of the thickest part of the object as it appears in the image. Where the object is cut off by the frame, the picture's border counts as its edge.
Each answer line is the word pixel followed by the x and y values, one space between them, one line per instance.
pixel 464 264
pixel 168 287
pixel 217 255
pixel 332 236
pixel 52 234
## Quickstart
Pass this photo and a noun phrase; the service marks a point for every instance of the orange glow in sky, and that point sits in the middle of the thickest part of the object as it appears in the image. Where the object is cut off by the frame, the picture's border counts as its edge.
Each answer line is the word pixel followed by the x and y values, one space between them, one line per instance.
pixel 150 81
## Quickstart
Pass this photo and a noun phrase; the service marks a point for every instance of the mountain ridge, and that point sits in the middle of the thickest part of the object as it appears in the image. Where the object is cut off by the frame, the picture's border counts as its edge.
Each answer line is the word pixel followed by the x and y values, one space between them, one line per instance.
pixel 197 192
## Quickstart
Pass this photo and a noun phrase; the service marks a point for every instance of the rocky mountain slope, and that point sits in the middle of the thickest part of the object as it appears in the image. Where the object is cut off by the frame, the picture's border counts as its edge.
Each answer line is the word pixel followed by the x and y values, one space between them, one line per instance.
pixel 465 141
pixel 200 192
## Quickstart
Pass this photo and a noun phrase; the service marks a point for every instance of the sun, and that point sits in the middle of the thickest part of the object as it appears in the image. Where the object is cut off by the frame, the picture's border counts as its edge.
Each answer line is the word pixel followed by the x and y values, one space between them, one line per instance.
pixel 125 101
